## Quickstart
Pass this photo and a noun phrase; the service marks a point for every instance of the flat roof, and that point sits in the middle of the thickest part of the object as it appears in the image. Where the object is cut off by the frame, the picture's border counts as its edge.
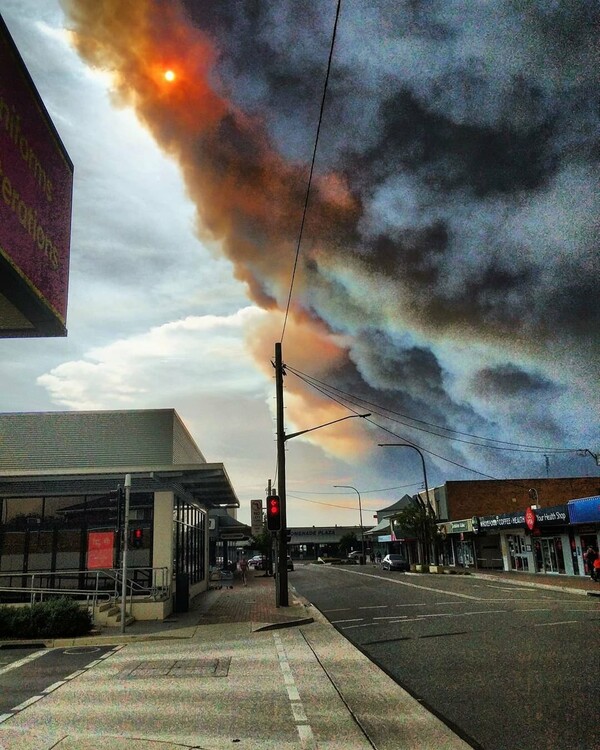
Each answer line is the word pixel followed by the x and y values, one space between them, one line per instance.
pixel 207 484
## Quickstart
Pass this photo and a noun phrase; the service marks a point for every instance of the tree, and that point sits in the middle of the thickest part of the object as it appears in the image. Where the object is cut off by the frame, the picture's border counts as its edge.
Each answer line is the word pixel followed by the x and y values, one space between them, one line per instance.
pixel 419 522
pixel 263 542
pixel 347 542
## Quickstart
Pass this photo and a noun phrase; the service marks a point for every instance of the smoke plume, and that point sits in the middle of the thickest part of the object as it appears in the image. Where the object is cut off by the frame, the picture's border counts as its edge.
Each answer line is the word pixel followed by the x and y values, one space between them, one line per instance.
pixel 449 265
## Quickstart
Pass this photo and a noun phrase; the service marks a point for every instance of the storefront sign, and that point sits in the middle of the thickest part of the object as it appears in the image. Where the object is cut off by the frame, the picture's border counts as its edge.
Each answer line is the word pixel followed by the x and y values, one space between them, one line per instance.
pixel 530 518
pixel 557 515
pixel 100 551
pixel 459 526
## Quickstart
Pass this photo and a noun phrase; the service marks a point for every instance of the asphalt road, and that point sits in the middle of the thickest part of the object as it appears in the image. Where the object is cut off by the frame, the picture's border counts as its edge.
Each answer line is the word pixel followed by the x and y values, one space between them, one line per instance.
pixel 26 675
pixel 509 668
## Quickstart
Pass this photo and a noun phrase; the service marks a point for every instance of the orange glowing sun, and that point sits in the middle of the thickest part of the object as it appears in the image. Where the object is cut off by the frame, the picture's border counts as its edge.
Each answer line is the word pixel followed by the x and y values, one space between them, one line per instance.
pixel 169 75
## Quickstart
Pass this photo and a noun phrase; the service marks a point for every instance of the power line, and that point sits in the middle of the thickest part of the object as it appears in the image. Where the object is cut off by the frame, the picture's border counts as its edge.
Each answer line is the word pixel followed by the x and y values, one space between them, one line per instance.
pixel 411 442
pixel 312 167
pixel 365 492
pixel 316 502
pixel 324 388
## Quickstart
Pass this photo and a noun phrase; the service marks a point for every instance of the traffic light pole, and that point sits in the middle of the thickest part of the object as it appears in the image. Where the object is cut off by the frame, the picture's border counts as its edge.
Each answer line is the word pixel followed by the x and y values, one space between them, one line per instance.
pixel 125 546
pixel 281 599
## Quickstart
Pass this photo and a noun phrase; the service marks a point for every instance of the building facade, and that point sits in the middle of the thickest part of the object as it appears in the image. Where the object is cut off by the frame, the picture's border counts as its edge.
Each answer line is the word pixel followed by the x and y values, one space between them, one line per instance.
pixel 528 525
pixel 63 498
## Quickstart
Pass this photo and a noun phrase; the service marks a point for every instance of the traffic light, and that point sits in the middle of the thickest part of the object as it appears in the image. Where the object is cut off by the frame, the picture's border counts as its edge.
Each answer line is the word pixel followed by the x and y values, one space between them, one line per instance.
pixel 136 538
pixel 273 513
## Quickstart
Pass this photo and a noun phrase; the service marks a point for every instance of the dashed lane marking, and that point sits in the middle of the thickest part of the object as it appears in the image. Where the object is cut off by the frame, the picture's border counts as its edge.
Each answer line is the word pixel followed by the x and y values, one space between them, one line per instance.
pixel 51 688
pixel 304 729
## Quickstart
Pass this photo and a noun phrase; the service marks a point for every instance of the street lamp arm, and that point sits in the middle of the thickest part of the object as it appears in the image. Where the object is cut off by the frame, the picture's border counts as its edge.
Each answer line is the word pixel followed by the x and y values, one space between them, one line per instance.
pixel 318 427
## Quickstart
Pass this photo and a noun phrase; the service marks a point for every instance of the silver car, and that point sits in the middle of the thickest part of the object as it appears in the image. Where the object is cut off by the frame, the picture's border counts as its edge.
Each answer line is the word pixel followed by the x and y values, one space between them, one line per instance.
pixel 395 562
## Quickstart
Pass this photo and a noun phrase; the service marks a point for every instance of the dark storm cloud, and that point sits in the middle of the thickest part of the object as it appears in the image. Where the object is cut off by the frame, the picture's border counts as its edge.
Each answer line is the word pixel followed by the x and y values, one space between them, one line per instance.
pixel 452 231
pixel 508 381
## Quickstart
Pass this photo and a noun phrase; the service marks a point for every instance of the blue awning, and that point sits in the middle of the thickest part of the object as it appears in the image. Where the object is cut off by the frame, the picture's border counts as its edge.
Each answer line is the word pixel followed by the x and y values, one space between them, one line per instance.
pixel 585 510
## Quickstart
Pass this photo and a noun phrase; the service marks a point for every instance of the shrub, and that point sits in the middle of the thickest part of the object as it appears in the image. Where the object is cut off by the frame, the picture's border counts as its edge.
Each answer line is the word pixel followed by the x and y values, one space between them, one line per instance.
pixel 55 618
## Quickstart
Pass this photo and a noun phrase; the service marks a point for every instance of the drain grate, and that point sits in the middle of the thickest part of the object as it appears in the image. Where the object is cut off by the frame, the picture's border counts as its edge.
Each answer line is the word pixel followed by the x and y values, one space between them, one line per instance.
pixel 175 668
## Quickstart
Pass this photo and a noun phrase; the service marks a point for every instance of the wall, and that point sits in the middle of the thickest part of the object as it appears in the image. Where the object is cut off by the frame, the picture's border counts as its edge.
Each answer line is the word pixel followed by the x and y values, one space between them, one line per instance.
pixel 163 533
pixel 487 497
pixel 66 440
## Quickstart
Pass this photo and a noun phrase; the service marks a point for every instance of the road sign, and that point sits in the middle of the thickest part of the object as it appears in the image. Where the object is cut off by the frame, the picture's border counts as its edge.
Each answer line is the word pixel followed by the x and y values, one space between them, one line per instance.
pixel 256 516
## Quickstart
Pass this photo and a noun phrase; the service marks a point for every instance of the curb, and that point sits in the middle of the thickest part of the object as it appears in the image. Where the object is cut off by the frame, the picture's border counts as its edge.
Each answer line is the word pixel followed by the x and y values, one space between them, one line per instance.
pixel 536 585
pixel 287 624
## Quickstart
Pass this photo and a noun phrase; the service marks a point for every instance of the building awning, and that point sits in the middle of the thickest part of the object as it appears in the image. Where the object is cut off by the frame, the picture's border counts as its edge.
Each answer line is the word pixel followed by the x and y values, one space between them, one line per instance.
pixel 585 510
pixel 206 484
pixel 228 528
pixel 383 527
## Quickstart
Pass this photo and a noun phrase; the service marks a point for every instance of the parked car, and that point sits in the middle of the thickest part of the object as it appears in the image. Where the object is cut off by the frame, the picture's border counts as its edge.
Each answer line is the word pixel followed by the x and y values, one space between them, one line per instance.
pixel 395 562
pixel 258 562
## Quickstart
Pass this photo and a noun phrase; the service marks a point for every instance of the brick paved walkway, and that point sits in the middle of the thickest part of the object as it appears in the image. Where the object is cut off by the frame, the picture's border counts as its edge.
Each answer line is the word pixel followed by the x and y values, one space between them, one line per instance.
pixel 255 602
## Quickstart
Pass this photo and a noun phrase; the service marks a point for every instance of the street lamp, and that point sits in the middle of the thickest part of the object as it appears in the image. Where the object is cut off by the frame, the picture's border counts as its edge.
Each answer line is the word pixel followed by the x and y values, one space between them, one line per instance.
pixel 414 447
pixel 362 531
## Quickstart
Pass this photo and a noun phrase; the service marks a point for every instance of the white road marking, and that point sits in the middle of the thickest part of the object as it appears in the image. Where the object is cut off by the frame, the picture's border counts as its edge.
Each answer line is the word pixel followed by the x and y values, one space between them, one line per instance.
pixel 391 617
pixel 75 674
pixel 412 585
pixel 547 624
pixel 53 687
pixel 28 702
pixel 25 660
pixel 354 619
pixel 304 729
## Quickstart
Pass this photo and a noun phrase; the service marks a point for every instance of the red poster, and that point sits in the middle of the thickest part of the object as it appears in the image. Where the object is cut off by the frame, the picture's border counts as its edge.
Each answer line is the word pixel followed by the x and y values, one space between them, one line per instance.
pixel 101 549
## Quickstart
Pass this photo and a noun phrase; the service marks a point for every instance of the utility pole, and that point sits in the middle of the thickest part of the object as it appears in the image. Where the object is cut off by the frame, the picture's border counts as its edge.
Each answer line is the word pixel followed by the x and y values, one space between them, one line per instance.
pixel 281 563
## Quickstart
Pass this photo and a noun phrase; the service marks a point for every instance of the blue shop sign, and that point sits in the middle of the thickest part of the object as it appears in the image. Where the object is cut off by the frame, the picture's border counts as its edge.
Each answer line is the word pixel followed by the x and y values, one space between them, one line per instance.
pixel 585 510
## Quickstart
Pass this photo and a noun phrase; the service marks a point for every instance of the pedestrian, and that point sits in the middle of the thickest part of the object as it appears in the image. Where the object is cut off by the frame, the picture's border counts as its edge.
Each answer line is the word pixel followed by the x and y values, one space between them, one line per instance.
pixel 378 557
pixel 243 568
pixel 590 556
pixel 596 569
pixel 372 557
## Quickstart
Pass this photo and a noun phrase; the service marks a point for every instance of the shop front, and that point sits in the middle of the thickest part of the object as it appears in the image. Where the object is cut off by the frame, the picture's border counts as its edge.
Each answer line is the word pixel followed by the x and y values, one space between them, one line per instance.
pixel 457 543
pixel 584 515
pixel 536 540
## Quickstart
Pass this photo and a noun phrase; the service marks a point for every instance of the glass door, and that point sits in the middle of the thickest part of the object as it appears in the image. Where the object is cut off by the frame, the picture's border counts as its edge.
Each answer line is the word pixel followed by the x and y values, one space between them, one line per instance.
pixel 552 555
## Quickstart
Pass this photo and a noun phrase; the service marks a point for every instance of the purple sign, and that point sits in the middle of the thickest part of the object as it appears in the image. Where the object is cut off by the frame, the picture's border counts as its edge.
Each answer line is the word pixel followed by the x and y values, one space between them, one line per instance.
pixel 36 183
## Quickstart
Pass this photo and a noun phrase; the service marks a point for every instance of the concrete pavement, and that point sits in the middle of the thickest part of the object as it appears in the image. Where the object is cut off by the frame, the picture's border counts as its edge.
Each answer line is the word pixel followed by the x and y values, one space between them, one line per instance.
pixel 234 670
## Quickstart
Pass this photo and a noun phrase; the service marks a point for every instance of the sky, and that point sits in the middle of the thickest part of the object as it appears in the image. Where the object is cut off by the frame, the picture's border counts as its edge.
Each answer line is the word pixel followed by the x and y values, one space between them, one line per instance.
pixel 440 274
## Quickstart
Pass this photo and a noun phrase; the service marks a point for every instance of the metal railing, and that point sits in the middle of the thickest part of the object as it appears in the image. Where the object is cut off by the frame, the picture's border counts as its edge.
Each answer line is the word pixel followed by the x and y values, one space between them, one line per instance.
pixel 91 586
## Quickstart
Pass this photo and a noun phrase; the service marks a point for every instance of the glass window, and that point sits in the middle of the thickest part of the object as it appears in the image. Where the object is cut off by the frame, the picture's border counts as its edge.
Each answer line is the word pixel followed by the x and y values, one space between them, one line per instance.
pixel 189 530
pixel 16 510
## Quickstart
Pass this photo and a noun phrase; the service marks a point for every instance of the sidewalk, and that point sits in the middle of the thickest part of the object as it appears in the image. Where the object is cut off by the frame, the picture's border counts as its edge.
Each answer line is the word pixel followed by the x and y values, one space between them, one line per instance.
pixel 571 584
pixel 234 669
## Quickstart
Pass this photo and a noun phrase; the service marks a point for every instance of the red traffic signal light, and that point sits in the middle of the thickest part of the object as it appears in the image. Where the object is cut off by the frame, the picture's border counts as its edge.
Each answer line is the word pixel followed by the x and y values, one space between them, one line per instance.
pixel 273 513
pixel 136 538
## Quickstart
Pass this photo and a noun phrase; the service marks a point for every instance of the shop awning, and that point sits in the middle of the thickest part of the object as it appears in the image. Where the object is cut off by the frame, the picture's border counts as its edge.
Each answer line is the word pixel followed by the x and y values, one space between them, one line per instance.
pixel 382 528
